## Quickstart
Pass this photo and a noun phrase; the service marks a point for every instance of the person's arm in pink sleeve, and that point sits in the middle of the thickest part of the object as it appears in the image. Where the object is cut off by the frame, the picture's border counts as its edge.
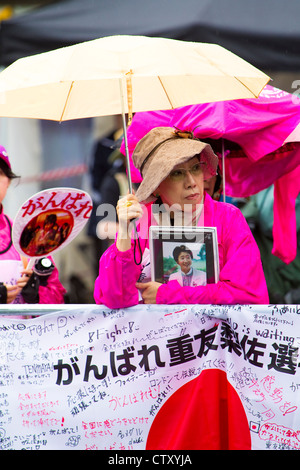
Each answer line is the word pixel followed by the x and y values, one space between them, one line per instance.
pixel 118 271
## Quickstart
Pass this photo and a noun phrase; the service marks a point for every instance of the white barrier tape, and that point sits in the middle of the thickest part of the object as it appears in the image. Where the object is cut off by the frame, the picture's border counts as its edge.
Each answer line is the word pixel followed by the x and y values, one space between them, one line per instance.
pixel 56 174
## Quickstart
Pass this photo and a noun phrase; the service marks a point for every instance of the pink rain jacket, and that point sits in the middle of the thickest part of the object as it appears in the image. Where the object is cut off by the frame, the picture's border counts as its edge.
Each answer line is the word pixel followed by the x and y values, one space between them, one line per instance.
pixel 53 292
pixel 241 279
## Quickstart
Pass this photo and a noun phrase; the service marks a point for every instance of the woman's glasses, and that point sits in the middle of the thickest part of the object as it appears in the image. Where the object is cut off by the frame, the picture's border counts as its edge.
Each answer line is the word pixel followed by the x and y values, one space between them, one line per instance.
pixel 180 173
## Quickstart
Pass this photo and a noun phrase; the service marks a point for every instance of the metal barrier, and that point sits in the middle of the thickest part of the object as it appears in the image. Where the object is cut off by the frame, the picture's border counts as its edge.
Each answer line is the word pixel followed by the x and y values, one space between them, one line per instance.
pixel 38 309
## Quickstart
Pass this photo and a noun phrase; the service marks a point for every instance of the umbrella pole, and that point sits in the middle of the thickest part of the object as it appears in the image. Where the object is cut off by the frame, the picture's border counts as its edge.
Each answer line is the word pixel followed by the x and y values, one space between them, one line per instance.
pixel 125 135
pixel 136 236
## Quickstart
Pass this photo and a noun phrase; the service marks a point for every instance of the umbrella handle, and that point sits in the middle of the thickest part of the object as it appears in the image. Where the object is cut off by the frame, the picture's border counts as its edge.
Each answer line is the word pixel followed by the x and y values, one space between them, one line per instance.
pixel 125 135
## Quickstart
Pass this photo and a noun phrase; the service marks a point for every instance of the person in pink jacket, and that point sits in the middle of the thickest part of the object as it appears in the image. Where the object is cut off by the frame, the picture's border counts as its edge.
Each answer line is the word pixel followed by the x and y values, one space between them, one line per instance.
pixel 18 284
pixel 174 166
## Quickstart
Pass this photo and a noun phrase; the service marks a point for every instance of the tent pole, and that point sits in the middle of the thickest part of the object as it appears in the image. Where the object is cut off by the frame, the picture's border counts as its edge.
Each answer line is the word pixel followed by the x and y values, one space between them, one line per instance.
pixel 125 136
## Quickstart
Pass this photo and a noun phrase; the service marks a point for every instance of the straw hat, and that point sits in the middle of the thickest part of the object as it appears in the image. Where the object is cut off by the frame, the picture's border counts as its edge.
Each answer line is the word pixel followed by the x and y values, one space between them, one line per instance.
pixel 159 151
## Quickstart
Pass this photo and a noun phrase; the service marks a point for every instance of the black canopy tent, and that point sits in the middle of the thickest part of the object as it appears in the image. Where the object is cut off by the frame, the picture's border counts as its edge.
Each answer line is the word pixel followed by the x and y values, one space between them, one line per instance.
pixel 264 32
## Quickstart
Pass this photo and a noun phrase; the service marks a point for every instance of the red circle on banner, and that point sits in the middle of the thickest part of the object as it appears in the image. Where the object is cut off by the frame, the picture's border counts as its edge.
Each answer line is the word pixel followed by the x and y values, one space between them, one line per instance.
pixel 204 414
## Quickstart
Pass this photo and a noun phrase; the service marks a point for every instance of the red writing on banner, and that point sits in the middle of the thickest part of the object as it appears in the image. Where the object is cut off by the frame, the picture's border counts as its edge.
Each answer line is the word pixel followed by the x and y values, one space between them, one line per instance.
pixel 266 389
pixel 280 435
pixel 132 398
pixel 76 203
pixel 112 422
pixel 37 410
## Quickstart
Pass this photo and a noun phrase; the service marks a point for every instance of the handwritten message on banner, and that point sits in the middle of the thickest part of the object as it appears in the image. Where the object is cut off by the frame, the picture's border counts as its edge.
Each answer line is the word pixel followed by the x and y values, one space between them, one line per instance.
pixel 151 377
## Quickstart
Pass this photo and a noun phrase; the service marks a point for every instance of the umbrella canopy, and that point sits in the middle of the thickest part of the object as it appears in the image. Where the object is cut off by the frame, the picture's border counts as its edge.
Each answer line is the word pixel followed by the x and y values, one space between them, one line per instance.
pixel 261 147
pixel 84 80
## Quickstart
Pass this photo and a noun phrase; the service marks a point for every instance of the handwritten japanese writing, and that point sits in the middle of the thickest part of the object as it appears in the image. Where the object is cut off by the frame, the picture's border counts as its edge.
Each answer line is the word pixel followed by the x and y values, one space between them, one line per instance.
pixel 181 350
pixel 77 204
pixel 95 378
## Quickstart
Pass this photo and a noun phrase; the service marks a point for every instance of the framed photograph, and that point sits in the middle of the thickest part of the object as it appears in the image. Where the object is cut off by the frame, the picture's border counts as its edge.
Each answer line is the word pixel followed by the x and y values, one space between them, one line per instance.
pixel 186 254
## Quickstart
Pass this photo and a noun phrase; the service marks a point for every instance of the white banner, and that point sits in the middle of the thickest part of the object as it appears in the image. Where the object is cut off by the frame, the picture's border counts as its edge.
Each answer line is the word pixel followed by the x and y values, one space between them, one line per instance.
pixel 151 377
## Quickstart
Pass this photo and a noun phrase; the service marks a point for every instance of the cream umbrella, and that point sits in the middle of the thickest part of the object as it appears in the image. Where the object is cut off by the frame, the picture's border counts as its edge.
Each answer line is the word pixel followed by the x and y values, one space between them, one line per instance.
pixel 124 74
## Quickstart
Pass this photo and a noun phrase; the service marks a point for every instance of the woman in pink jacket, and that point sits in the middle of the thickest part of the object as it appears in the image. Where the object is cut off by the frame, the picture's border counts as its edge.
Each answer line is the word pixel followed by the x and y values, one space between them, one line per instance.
pixel 174 166
pixel 17 283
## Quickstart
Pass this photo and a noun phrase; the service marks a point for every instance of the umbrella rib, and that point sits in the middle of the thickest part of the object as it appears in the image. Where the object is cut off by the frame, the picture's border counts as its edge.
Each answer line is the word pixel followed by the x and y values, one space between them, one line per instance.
pixel 165 92
pixel 255 96
pixel 66 102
